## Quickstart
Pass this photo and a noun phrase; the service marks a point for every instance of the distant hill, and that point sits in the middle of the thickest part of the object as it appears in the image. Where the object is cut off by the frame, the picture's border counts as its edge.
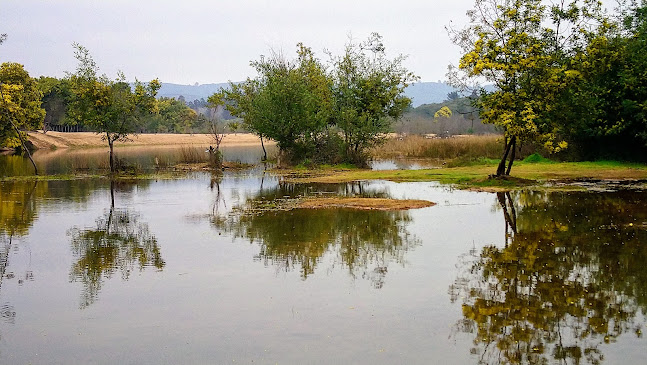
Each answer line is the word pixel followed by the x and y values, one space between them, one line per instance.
pixel 189 92
pixel 428 92
pixel 420 93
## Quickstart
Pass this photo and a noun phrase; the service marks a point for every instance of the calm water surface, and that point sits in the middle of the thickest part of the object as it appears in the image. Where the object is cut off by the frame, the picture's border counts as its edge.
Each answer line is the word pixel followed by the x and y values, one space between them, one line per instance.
pixel 198 270
pixel 141 158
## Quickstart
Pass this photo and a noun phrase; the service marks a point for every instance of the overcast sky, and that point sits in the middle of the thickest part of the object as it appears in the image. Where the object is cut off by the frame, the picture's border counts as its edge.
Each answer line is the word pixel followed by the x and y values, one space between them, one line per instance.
pixel 211 41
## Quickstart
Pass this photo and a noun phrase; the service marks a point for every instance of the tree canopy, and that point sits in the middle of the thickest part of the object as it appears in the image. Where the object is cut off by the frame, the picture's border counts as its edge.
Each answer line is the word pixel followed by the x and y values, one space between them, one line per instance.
pixel 111 107
pixel 20 103
pixel 369 94
pixel 605 111
pixel 526 50
pixel 318 114
pixel 290 101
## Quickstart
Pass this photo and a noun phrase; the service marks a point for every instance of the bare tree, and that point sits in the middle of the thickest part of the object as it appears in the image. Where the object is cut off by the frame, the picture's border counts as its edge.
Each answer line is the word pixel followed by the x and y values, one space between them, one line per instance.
pixel 216 129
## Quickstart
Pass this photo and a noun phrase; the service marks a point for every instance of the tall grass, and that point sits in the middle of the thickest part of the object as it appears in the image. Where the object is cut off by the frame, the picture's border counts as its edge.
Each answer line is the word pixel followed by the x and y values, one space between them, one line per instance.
pixel 192 155
pixel 464 148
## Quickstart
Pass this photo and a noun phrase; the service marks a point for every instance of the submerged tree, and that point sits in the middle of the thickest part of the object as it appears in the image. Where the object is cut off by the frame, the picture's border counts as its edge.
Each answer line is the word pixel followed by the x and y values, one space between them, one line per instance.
pixel 111 107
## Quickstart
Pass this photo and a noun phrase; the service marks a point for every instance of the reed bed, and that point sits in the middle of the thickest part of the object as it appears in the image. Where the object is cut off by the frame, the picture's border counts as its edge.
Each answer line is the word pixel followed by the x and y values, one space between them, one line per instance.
pixel 465 147
pixel 192 155
pixel 84 164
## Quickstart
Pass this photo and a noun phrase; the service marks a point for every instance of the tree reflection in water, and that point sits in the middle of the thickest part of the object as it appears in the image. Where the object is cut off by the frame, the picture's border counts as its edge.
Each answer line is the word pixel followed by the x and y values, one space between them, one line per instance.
pixel 363 242
pixel 570 278
pixel 120 242
pixel 19 206
pixel 17 213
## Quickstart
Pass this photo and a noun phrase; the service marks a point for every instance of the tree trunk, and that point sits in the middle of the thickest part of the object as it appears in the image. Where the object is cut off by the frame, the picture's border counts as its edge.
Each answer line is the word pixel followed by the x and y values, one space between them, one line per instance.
pixel 112 159
pixel 510 146
pixel 513 149
pixel 501 168
pixel 25 149
pixel 264 151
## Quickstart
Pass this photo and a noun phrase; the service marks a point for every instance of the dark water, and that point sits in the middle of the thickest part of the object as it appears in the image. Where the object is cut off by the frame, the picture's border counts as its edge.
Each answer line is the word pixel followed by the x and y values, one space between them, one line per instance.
pixel 201 270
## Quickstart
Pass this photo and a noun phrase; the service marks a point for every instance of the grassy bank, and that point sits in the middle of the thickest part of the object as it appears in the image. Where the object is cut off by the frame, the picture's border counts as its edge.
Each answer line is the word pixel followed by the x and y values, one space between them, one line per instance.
pixel 524 174
pixel 478 176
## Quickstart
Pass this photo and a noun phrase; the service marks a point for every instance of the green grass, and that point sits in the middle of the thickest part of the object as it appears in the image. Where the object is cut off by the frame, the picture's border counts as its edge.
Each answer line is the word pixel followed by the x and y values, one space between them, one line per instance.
pixel 536 158
pixel 476 174
pixel 479 175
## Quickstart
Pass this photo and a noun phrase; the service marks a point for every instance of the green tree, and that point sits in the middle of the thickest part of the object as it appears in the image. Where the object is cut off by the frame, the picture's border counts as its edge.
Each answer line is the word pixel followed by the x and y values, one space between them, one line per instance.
pixel 369 94
pixel 289 102
pixel 524 48
pixel 20 104
pixel 606 108
pixel 111 107
pixel 56 94
pixel 323 116
pixel 20 107
pixel 172 116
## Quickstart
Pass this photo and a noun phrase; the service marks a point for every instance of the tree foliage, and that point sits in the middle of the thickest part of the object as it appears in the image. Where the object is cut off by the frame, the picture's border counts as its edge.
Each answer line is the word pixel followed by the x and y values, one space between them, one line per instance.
pixel 172 116
pixel 315 114
pixel 56 95
pixel 369 94
pixel 443 112
pixel 111 107
pixel 289 102
pixel 20 104
pixel 606 108
pixel 525 49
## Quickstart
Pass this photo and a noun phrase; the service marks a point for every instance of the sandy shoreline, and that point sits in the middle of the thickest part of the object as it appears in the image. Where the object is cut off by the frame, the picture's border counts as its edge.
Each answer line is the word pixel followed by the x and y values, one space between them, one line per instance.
pixel 52 140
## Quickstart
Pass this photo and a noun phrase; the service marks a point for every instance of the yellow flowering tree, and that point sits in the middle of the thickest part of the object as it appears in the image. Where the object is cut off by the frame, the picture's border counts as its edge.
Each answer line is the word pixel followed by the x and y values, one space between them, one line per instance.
pixel 443 112
pixel 20 104
pixel 523 48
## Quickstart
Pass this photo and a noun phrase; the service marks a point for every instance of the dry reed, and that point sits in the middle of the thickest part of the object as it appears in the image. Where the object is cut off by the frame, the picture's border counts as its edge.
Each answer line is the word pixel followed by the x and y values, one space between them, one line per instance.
pixel 464 147
pixel 192 155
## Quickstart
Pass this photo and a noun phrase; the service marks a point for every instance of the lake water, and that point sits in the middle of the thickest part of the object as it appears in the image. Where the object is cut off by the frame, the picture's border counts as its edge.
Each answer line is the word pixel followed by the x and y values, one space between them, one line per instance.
pixel 141 158
pixel 195 270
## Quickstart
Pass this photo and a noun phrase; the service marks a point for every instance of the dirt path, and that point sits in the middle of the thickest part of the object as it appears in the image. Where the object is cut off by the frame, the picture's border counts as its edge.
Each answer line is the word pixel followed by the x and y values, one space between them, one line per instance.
pixel 90 139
